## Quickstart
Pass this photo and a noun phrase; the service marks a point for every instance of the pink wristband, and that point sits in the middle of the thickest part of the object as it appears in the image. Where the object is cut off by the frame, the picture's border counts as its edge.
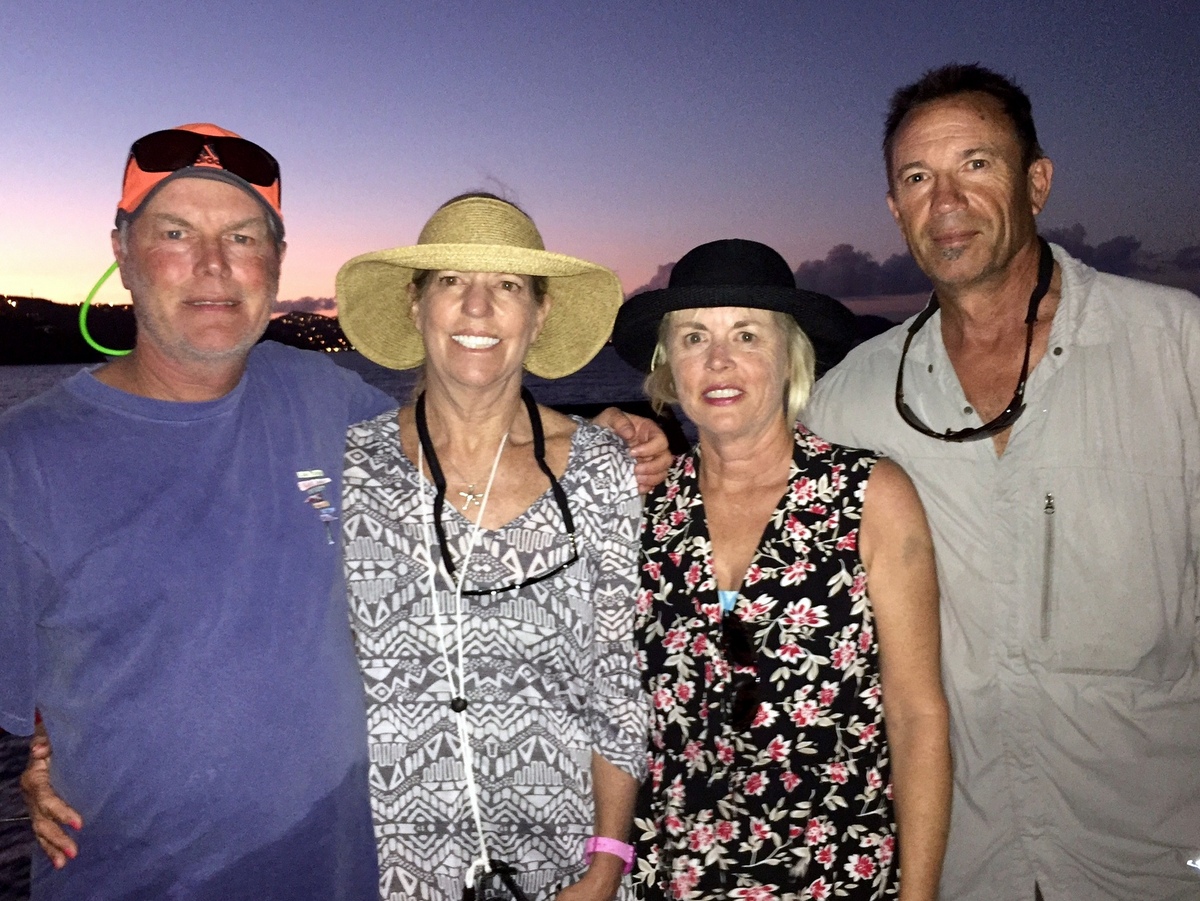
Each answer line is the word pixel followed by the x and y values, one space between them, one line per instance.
pixel 600 844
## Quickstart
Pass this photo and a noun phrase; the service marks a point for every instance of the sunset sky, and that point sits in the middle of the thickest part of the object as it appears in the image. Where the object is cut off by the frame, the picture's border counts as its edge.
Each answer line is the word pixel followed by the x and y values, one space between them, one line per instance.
pixel 631 130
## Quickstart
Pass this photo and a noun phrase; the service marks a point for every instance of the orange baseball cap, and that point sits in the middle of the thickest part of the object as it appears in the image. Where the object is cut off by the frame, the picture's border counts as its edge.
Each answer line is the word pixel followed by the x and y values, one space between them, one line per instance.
pixel 199 150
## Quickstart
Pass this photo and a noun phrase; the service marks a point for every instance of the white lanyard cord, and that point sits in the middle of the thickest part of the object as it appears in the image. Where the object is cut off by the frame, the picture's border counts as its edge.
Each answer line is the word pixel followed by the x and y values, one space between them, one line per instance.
pixel 459 688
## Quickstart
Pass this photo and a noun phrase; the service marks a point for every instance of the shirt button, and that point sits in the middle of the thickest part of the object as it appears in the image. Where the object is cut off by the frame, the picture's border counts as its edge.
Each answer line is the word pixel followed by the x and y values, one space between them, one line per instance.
pixel 931 367
pixel 1058 351
pixel 967 410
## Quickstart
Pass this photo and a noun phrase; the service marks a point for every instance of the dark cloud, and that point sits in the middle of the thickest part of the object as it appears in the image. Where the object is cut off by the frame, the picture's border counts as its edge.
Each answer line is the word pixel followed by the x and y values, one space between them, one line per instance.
pixel 1188 258
pixel 846 272
pixel 900 274
pixel 1072 238
pixel 1124 255
pixel 1119 255
pixel 659 280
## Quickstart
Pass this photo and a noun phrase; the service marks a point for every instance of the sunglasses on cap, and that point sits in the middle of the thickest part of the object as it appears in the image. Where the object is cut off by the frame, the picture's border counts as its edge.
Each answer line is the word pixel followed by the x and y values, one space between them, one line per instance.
pixel 173 149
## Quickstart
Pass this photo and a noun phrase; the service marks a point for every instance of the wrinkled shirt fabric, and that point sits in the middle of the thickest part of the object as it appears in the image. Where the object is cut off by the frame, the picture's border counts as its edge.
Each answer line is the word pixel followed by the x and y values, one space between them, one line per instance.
pixel 1068 573
pixel 171 600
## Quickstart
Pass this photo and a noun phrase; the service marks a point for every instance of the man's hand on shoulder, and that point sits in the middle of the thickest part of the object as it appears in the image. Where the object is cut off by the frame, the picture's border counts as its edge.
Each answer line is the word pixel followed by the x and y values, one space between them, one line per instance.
pixel 647 445
pixel 48 812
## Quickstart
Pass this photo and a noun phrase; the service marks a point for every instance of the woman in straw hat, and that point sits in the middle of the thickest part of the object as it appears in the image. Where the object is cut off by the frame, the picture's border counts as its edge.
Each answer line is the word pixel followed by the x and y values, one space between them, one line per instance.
pixel 491 549
pixel 788 586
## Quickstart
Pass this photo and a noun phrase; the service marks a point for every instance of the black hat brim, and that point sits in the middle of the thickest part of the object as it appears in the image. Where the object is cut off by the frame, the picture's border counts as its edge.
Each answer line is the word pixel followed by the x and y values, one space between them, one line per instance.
pixel 829 325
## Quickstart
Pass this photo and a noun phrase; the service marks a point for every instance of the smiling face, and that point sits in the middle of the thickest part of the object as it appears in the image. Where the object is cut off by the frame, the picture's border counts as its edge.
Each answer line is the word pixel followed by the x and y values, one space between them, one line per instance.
pixel 959 192
pixel 203 269
pixel 477 326
pixel 730 368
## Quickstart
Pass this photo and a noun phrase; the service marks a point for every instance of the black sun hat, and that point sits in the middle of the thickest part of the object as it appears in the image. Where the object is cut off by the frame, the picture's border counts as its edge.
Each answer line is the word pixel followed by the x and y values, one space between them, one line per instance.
pixel 734 273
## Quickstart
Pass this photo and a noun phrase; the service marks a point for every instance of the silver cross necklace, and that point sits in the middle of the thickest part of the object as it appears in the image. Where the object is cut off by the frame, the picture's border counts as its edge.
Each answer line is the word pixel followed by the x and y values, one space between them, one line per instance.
pixel 471 497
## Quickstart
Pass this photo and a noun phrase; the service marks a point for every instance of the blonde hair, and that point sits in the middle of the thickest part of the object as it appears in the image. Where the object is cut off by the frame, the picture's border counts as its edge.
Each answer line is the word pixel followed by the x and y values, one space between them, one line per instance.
pixel 801 367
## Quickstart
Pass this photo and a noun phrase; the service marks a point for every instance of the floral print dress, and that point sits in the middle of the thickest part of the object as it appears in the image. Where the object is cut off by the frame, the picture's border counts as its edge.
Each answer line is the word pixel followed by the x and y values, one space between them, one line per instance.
pixel 798 804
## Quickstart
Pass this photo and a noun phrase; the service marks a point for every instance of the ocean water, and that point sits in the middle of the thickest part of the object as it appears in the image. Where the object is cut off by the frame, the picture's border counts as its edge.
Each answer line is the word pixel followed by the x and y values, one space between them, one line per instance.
pixel 605 380
pixel 18 383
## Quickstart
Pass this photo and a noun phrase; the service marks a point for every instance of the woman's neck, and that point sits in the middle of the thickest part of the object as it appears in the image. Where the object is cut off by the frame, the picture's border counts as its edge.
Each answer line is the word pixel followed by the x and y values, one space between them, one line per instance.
pixel 746 462
pixel 742 481
pixel 473 421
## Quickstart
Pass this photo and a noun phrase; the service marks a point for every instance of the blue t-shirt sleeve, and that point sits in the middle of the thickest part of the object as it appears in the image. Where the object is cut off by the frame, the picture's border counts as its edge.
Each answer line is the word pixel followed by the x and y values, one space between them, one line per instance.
pixel 365 401
pixel 24 581
pixel 368 401
pixel 315 376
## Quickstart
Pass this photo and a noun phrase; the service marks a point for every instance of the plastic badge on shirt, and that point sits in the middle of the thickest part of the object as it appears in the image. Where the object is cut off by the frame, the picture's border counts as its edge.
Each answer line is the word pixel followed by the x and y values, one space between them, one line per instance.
pixel 313 482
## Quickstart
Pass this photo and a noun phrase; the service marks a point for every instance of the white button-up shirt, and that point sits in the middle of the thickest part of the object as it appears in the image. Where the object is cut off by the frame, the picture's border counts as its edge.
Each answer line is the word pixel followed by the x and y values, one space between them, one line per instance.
pixel 1070 607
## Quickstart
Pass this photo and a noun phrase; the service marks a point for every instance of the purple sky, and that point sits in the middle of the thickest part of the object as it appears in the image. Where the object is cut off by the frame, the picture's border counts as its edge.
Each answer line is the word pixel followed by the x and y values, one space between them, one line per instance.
pixel 631 131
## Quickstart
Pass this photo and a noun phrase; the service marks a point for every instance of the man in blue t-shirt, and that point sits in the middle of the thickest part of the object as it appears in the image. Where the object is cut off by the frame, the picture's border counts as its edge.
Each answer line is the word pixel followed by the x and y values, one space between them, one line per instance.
pixel 170 582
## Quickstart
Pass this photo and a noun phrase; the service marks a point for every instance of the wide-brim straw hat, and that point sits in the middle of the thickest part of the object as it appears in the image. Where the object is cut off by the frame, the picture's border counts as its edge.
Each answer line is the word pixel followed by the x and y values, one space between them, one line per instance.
pixel 734 273
pixel 478 234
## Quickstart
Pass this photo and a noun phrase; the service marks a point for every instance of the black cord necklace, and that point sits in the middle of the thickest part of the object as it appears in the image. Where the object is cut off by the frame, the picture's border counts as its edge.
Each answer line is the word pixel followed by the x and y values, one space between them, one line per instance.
pixel 439 482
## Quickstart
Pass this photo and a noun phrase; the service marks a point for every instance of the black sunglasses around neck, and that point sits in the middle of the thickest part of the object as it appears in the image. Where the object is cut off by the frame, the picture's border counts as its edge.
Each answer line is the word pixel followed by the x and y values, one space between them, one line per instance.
pixel 1016 406
pixel 439 502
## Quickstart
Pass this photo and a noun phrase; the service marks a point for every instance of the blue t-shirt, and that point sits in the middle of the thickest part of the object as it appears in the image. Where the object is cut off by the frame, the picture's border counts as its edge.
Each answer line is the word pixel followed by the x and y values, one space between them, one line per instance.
pixel 172 603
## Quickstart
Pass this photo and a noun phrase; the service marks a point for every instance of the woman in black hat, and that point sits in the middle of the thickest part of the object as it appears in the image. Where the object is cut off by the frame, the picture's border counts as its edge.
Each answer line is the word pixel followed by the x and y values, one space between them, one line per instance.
pixel 788 594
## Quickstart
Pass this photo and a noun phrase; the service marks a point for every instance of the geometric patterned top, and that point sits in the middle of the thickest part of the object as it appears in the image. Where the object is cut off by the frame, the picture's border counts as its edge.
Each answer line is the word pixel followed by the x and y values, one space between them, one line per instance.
pixel 792 801
pixel 550 669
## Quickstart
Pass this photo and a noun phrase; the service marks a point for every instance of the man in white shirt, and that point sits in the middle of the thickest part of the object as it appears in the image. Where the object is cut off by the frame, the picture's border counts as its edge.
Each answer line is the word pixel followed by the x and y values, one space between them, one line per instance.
pixel 1049 415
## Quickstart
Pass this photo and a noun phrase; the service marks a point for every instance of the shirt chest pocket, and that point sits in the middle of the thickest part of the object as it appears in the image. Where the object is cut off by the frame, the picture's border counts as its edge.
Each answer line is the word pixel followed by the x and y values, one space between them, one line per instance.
pixel 1117 582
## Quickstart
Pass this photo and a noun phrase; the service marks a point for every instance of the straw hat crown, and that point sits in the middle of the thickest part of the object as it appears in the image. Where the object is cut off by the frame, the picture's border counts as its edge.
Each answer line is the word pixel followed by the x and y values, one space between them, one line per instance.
pixel 481 220
pixel 478 234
